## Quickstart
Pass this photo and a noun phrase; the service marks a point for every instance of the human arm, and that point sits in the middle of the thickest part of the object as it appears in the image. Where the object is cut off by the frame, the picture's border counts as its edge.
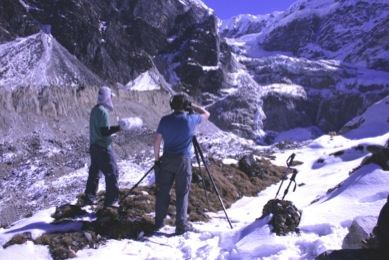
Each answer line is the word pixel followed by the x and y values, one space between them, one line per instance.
pixel 201 111
pixel 157 146
pixel 107 131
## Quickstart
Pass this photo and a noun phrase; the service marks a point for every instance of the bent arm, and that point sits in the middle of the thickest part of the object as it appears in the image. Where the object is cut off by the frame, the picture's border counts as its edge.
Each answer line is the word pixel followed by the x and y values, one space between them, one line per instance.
pixel 202 112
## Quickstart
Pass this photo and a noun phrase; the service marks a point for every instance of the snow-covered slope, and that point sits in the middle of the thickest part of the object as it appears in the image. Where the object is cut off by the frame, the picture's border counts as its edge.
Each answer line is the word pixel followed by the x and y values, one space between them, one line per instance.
pixel 39 60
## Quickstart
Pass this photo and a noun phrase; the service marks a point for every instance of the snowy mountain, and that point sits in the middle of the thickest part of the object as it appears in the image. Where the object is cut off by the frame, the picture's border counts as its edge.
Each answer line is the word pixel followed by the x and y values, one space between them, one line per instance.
pixel 349 31
pixel 331 54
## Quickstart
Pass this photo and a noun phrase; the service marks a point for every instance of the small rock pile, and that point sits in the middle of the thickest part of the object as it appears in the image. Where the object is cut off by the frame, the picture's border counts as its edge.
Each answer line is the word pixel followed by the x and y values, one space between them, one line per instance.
pixel 286 217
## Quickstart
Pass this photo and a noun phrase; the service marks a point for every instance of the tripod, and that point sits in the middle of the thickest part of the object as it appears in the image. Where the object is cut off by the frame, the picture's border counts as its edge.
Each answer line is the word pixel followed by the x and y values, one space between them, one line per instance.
pixel 198 153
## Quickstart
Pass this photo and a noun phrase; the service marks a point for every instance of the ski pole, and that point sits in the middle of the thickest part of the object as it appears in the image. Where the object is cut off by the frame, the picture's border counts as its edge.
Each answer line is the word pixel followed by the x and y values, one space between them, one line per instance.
pixel 136 185
pixel 289 162
pixel 292 179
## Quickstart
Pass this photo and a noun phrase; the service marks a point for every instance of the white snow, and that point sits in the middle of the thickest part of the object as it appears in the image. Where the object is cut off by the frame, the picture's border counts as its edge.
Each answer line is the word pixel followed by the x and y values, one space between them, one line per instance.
pixel 145 81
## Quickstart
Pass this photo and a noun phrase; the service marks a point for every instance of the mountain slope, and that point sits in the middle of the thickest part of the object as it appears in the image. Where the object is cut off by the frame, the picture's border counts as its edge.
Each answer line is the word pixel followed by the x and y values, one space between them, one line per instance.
pixel 38 61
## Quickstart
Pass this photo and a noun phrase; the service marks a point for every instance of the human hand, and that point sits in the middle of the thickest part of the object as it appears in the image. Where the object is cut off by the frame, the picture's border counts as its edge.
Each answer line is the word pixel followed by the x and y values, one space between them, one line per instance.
pixel 157 163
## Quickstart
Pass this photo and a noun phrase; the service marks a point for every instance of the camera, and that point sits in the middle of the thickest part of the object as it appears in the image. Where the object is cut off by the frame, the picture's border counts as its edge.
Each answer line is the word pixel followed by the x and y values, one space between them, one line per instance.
pixel 188 106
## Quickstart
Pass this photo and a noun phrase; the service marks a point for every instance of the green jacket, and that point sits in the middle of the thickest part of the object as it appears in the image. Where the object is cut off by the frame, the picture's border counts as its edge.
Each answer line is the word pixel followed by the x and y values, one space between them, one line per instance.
pixel 99 118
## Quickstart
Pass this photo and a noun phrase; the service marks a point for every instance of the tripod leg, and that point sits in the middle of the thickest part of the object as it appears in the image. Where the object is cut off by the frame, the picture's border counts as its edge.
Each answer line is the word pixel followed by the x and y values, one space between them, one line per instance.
pixel 196 144
pixel 201 175
pixel 136 185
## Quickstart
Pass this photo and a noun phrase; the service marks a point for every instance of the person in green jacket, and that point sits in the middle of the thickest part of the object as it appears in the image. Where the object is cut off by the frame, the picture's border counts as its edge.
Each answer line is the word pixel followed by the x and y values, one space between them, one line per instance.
pixel 103 158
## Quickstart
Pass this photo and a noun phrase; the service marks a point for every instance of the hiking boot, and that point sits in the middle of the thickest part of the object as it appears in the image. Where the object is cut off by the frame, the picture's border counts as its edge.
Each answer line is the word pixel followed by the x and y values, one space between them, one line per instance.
pixel 182 230
pixel 158 226
pixel 114 204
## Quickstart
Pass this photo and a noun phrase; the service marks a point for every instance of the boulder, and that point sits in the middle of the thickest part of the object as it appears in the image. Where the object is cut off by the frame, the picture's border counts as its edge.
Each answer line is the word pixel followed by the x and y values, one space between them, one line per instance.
pixel 359 230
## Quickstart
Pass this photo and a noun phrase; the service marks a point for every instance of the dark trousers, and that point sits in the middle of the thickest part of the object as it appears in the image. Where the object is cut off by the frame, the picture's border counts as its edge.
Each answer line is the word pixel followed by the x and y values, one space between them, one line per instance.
pixel 176 169
pixel 103 160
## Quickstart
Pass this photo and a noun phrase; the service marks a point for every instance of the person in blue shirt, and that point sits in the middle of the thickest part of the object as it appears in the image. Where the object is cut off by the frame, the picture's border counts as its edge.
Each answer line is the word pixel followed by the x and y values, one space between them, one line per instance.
pixel 102 156
pixel 176 130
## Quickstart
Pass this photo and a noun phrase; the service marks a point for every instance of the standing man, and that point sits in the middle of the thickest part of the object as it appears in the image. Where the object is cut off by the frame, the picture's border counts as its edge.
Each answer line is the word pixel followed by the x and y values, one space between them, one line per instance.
pixel 102 156
pixel 176 130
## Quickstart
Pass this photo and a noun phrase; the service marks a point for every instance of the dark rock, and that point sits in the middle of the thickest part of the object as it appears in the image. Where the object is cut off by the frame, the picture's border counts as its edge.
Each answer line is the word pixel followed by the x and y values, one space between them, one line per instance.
pixel 380 156
pixel 381 231
pixel 286 217
pixel 353 254
pixel 15 21
pixel 255 166
pixel 117 39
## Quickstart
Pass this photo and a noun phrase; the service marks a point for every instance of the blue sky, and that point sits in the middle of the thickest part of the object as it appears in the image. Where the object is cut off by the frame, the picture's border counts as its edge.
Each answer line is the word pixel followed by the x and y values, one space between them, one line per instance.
pixel 225 9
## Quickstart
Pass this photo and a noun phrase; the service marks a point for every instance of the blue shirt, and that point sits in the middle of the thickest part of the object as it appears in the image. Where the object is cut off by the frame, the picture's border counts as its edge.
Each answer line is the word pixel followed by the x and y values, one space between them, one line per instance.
pixel 177 131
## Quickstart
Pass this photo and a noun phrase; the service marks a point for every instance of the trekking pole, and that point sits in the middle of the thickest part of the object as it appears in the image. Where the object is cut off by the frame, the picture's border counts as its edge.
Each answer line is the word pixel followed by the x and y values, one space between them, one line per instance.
pixel 292 179
pixel 196 144
pixel 289 162
pixel 136 185
pixel 201 175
